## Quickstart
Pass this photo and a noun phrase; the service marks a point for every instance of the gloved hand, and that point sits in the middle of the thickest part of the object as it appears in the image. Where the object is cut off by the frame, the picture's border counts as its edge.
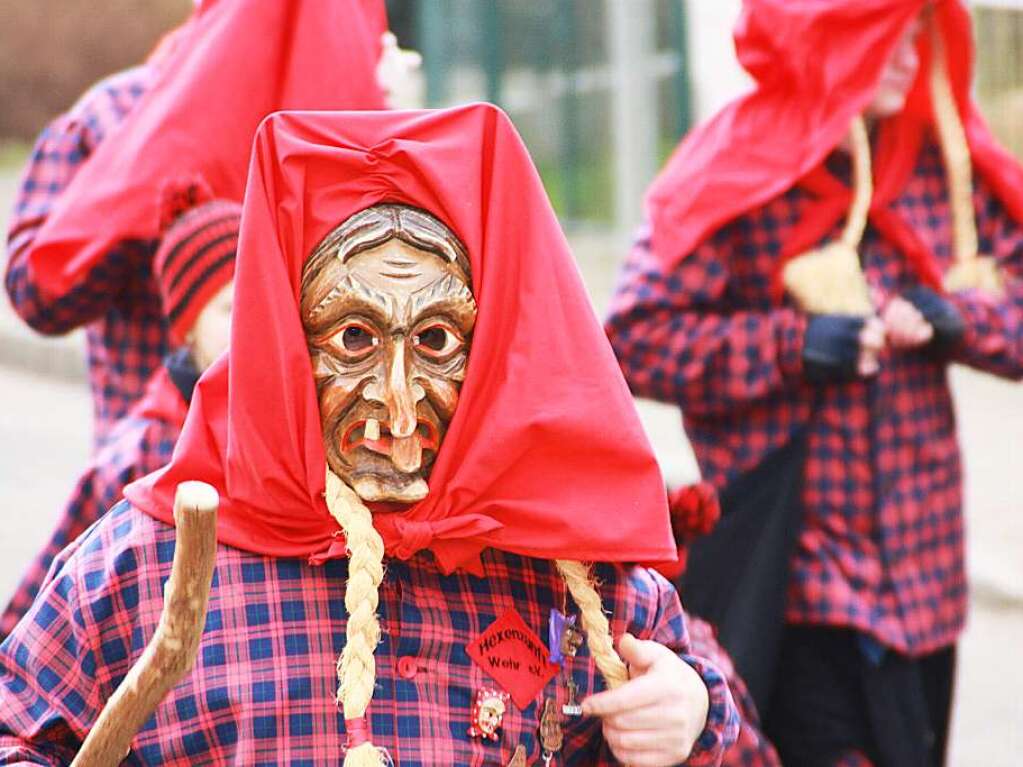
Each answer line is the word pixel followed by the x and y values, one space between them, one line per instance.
pixel 841 348
pixel 941 314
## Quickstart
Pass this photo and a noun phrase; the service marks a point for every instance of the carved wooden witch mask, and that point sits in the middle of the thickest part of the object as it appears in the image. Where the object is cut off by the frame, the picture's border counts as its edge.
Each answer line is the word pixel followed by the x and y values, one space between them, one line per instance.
pixel 388 313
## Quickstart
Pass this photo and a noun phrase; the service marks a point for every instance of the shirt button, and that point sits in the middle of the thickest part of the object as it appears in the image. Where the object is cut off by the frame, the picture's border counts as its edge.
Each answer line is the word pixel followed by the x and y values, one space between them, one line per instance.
pixel 408 667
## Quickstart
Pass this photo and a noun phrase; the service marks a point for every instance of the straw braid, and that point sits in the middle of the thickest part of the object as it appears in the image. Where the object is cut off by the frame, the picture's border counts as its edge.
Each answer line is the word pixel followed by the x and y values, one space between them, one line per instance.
pixel 863 185
pixel 356 668
pixel 583 589
pixel 954 150
pixel 969 270
pixel 830 280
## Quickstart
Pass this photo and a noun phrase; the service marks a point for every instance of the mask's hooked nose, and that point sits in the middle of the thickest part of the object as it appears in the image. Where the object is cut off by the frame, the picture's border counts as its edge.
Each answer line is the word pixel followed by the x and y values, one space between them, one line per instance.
pixel 401 396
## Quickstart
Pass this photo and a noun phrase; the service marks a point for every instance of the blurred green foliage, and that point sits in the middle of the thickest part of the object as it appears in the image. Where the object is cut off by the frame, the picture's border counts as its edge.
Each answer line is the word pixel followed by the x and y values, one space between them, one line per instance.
pixel 547 63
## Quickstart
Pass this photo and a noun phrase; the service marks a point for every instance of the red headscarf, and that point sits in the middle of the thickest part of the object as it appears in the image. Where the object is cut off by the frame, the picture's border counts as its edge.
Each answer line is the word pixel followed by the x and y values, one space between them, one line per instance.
pixel 545 455
pixel 231 65
pixel 817 64
pixel 162 401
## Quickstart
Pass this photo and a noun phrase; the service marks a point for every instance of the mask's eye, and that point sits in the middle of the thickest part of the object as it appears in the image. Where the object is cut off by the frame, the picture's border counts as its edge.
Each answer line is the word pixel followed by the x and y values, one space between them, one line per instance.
pixel 355 341
pixel 437 341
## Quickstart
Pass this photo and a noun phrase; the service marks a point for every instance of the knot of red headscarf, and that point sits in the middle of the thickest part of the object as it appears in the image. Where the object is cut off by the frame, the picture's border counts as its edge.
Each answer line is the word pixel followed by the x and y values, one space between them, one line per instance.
pixel 413 536
pixel 403 537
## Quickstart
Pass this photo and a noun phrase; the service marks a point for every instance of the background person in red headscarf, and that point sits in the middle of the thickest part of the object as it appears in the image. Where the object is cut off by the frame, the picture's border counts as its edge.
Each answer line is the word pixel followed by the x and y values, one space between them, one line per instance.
pixel 72 259
pixel 383 398
pixel 194 268
pixel 801 280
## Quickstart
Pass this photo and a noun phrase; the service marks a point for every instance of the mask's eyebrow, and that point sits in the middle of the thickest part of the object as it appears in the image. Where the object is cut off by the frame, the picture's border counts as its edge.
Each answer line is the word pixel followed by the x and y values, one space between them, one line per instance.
pixel 346 287
pixel 449 292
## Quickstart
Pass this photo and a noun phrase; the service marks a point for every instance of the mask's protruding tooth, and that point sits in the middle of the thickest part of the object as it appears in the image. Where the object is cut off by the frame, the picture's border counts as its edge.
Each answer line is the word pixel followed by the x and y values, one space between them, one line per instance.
pixel 372 429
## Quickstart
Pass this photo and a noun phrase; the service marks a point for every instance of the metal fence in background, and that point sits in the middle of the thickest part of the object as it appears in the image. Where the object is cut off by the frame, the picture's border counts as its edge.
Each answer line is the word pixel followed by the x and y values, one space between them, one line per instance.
pixel 598 88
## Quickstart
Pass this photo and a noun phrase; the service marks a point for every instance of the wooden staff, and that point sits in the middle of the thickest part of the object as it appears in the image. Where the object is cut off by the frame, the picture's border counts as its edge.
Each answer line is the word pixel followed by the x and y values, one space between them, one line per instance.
pixel 172 650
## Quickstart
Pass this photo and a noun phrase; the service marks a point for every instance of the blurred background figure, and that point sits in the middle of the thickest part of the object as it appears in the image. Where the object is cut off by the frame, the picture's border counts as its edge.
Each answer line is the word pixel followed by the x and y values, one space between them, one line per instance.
pixel 601 90
pixel 194 269
pixel 817 255
pixel 117 299
pixel 82 234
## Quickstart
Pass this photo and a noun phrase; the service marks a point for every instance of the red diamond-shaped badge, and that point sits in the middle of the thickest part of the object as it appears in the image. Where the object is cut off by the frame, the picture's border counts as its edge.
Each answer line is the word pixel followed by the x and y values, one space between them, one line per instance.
pixel 516 658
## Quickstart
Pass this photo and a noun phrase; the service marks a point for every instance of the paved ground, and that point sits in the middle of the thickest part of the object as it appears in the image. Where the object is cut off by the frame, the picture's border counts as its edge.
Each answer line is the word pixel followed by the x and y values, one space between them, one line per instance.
pixel 44 443
pixel 44 433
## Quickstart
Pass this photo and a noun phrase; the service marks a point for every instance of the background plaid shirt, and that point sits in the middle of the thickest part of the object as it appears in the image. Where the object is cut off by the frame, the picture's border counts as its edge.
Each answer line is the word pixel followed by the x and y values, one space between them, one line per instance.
pixel 751 748
pixel 881 549
pixel 118 302
pixel 262 690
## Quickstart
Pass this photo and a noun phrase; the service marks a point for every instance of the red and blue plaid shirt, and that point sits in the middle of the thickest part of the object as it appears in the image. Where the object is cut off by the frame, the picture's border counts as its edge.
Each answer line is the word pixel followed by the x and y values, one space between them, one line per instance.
pixel 262 691
pixel 118 302
pixel 881 548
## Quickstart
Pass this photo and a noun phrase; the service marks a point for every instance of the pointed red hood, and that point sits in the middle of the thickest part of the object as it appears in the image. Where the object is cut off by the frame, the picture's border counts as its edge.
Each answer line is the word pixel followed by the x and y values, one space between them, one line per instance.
pixel 545 455
pixel 233 63
pixel 816 65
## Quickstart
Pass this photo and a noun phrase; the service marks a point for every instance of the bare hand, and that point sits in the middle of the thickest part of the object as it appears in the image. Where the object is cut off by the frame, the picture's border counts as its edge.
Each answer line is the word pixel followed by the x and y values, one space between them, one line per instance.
pixel 905 326
pixel 872 339
pixel 654 719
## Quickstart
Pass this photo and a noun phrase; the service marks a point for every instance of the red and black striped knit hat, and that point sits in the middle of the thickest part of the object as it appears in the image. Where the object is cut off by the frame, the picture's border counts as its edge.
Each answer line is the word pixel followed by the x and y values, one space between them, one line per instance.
pixel 195 260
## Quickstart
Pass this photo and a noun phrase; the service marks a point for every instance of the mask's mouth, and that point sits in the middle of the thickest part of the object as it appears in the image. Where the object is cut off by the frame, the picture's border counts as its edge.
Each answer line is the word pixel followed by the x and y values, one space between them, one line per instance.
pixel 390 471
pixel 375 436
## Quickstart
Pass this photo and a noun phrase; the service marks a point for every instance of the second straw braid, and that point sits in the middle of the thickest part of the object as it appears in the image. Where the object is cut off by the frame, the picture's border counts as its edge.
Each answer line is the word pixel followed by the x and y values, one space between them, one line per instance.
pixel 583 589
